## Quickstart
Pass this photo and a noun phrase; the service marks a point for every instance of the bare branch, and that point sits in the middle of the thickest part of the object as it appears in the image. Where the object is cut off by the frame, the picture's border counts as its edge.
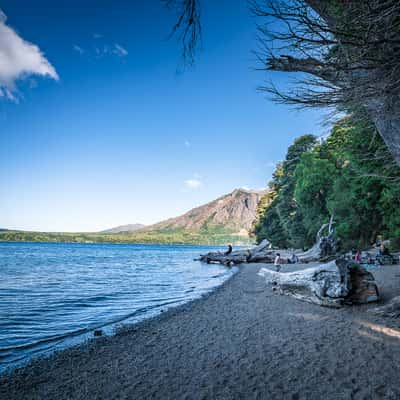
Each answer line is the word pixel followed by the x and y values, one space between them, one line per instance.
pixel 187 26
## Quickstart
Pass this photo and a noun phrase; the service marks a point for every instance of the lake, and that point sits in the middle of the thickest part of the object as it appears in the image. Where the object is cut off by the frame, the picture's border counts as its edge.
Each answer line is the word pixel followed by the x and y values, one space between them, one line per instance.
pixel 54 295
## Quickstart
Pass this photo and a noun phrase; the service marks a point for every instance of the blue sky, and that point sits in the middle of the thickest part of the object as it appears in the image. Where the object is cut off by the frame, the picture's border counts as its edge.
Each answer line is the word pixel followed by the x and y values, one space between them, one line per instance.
pixel 110 132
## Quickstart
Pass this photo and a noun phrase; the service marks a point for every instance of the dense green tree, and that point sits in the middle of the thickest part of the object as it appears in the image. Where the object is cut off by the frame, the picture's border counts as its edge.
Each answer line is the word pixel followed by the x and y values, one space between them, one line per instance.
pixel 314 176
pixel 281 222
pixel 347 176
pixel 389 204
pixel 287 207
pixel 351 175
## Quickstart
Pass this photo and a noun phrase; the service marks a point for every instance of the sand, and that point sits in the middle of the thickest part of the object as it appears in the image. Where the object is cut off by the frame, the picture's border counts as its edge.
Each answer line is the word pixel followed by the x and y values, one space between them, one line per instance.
pixel 243 341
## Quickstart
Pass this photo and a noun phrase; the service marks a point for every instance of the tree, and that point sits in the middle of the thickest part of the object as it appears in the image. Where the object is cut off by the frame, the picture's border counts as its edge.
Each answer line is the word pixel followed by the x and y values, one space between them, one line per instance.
pixel 280 222
pixel 314 176
pixel 268 224
pixel 349 50
pixel 353 177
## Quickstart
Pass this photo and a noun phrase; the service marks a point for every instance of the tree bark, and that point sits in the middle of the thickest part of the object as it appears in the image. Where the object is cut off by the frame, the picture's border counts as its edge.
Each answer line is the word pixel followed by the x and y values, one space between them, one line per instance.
pixel 332 285
pixel 386 115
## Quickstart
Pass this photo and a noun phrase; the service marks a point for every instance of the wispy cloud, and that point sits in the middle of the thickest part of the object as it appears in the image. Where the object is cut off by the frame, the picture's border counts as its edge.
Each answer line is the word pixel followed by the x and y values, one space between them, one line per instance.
pixel 78 49
pixel 119 50
pixel 187 143
pixel 193 183
pixel 19 59
pixel 102 49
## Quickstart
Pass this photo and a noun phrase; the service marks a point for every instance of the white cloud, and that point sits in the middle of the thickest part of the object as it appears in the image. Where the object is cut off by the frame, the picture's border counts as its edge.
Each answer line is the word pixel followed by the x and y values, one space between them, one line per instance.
pixel 19 59
pixel 192 183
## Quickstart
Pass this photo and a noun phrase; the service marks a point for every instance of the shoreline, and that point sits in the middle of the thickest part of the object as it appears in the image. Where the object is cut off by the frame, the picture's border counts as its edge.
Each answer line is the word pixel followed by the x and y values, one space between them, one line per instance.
pixel 82 340
pixel 241 340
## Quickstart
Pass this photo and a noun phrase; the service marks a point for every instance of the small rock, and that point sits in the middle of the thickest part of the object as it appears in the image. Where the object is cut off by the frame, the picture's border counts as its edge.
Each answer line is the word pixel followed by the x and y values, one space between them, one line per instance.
pixel 98 332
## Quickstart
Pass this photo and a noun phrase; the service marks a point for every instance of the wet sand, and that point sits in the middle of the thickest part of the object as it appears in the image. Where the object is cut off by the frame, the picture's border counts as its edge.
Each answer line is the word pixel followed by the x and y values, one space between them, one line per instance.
pixel 243 341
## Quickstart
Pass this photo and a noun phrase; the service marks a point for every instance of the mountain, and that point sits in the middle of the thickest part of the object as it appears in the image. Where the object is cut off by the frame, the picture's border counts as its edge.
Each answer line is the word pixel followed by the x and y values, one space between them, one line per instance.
pixel 124 228
pixel 235 212
pixel 227 219
pixel 224 220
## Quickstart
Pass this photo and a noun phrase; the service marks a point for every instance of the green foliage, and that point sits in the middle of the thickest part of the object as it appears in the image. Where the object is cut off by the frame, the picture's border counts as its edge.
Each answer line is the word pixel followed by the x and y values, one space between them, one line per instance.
pixel 281 222
pixel 311 192
pixel 351 176
pixel 210 234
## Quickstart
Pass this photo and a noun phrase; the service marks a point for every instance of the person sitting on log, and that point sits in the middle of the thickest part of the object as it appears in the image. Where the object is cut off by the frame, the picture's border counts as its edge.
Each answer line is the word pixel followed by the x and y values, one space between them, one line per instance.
pixel 278 262
pixel 229 251
pixel 384 257
pixel 383 250
pixel 248 256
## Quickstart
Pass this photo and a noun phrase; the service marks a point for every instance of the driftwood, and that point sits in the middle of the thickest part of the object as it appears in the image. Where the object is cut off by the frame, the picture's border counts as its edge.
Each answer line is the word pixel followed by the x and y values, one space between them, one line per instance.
pixel 333 284
pixel 260 253
pixel 325 247
pixel 390 310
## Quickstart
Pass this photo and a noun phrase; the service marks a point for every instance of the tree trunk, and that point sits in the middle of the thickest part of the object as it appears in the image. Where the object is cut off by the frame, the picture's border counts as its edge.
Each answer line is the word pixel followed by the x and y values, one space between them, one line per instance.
pixel 386 116
pixel 260 253
pixel 332 285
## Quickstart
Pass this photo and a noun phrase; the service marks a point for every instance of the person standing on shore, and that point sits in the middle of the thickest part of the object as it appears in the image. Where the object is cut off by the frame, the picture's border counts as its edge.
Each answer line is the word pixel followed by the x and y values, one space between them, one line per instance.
pixel 277 262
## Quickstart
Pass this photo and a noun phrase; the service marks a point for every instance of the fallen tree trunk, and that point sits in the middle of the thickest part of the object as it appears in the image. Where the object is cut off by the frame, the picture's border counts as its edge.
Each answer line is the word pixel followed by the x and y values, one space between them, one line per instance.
pixel 260 253
pixel 324 249
pixel 333 284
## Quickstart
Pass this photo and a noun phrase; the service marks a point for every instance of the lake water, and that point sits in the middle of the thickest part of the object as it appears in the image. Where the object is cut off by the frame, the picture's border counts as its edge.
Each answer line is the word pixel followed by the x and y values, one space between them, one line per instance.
pixel 54 295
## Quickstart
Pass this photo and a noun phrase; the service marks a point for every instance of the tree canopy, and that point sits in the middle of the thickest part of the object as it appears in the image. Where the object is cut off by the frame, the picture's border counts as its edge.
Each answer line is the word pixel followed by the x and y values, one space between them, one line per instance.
pixel 351 176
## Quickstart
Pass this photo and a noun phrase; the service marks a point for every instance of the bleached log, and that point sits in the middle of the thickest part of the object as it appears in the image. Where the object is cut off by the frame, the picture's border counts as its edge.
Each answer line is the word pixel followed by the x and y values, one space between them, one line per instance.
pixel 333 284
pixel 260 253
pixel 325 247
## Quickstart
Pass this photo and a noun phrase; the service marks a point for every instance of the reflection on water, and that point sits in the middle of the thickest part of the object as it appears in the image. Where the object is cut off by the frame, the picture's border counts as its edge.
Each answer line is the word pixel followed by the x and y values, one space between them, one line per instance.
pixel 54 295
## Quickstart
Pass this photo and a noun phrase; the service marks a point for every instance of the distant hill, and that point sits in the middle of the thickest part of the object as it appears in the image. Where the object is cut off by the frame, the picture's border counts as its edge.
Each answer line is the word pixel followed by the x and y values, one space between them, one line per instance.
pixel 233 213
pixel 124 228
pixel 227 219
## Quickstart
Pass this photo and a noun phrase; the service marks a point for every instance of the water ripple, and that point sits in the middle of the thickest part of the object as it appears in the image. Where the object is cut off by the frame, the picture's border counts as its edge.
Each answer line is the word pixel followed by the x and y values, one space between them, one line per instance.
pixel 54 295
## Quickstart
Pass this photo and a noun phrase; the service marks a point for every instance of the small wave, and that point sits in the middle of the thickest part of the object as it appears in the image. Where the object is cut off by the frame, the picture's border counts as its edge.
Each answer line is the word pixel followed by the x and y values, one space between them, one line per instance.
pixel 58 297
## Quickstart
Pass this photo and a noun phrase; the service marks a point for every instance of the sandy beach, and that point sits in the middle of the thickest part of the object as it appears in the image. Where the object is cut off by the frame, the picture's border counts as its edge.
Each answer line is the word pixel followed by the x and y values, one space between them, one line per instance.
pixel 243 341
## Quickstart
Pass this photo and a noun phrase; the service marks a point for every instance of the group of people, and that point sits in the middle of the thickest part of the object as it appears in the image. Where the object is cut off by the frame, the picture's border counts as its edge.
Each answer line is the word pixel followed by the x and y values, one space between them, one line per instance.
pixel 383 252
